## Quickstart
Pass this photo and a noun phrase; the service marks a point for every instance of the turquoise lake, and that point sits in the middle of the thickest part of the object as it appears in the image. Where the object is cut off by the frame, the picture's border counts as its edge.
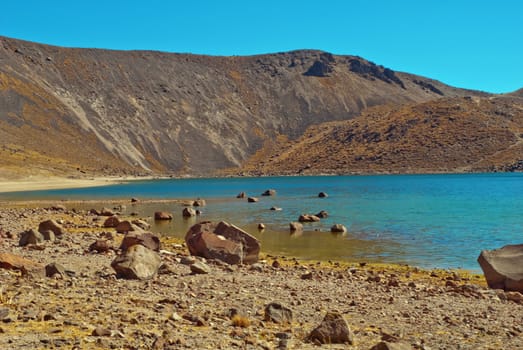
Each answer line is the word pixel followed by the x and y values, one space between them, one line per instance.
pixel 431 221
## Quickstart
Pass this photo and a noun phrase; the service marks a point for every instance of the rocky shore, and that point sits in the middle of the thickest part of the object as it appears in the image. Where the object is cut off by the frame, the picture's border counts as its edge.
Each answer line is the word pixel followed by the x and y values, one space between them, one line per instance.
pixel 83 305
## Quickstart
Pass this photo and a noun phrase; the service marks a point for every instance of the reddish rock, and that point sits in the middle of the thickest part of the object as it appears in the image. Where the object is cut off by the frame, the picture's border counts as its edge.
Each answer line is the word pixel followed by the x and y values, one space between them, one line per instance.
pixel 162 215
pixel 126 226
pixel 222 241
pixel 26 266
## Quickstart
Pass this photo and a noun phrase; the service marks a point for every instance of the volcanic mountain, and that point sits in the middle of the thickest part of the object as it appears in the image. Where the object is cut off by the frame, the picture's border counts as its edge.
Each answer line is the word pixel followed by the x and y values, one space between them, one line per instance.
pixel 69 111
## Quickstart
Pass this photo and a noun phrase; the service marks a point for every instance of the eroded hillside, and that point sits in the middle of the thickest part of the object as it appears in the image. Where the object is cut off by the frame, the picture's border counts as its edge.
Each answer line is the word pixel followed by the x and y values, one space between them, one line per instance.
pixel 86 111
pixel 445 135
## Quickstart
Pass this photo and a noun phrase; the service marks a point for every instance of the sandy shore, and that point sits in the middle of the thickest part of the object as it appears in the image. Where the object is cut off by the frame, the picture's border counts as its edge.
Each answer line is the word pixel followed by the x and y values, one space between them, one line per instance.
pixel 49 183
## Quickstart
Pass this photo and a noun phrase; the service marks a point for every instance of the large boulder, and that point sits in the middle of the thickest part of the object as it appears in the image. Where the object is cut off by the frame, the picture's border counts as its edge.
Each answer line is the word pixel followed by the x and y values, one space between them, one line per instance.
pixel 222 241
pixel 137 262
pixel 51 225
pixel 503 267
pixel 332 330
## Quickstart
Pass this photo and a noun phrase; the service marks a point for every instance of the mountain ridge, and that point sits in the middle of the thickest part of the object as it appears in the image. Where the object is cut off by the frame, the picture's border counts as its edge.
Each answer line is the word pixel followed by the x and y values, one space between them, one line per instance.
pixel 149 112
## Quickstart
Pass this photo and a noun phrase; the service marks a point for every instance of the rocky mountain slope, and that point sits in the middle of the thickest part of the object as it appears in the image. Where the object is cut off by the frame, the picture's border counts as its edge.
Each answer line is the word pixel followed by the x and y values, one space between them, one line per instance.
pixel 445 135
pixel 67 111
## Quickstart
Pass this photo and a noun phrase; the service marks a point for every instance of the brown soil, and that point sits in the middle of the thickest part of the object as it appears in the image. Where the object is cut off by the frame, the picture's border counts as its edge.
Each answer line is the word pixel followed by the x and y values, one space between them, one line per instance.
pixel 178 310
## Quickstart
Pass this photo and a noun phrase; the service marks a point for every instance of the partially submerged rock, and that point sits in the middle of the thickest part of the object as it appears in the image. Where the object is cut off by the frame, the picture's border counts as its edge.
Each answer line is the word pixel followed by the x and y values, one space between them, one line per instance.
pixel 222 241
pixel 269 192
pixel 295 227
pixel 338 228
pixel 308 218
pixel 188 212
pixel 503 267
pixel 162 215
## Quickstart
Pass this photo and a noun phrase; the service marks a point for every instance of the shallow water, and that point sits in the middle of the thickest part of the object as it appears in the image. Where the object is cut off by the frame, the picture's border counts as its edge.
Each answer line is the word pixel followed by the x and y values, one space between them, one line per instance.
pixel 424 220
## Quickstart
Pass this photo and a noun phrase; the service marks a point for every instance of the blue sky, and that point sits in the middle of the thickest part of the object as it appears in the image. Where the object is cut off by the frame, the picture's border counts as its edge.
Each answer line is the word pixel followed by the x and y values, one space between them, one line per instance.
pixel 474 44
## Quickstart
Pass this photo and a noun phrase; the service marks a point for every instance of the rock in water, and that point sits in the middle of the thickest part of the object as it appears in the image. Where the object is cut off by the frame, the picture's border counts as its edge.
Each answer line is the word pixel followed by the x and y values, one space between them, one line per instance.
pixel 137 262
pixel 162 215
pixel 503 267
pixel 338 228
pixel 270 192
pixel 323 195
pixel 332 330
pixel 222 241
pixel 252 199
pixel 295 227
pixel 188 212
pixel 308 218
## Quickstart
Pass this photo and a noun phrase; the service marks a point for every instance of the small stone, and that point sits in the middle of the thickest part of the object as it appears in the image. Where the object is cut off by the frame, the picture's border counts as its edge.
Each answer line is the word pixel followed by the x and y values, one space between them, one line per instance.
pixel 200 268
pixel 241 195
pixel 295 227
pixel 306 276
pixel 53 269
pixel 261 227
pixel 100 246
pixel 199 203
pixel 252 199
pixel 322 195
pixel 101 332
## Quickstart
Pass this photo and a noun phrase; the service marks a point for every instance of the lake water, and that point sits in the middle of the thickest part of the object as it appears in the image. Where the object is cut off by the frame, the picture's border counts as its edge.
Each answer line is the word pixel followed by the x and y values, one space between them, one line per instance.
pixel 430 221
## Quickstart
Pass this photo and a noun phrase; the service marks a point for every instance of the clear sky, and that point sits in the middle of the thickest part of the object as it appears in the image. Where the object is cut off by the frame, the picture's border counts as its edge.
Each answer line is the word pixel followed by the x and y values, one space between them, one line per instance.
pixel 476 44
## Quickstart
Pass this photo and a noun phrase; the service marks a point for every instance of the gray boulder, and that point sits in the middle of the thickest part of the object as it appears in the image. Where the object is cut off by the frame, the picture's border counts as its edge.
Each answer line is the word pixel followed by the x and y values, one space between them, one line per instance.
pixel 137 262
pixel 503 267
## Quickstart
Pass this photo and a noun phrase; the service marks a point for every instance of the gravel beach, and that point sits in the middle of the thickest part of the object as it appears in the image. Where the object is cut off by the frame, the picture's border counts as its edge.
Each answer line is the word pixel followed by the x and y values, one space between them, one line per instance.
pixel 83 305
